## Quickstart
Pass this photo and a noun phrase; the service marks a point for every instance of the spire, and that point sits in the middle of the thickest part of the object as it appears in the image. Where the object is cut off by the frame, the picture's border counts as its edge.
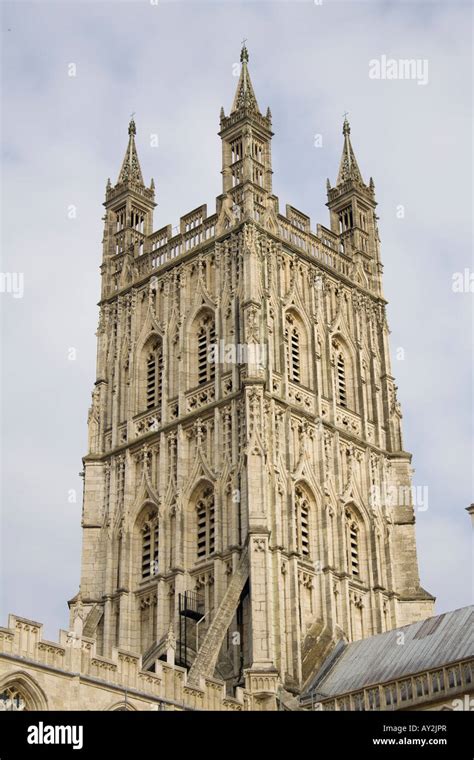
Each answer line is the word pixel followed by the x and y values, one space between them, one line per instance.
pixel 246 146
pixel 130 171
pixel 245 95
pixel 348 168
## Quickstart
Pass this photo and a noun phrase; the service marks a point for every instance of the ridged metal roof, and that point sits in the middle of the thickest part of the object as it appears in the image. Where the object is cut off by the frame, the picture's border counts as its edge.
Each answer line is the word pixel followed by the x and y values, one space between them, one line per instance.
pixel 427 644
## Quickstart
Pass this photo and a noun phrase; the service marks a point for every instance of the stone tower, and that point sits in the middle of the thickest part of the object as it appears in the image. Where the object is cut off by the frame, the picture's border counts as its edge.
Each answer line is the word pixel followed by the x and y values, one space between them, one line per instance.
pixel 247 498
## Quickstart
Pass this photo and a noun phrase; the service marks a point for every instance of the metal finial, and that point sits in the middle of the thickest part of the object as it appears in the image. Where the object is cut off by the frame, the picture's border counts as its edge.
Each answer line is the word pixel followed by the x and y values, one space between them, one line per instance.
pixel 244 53
pixel 346 129
pixel 132 130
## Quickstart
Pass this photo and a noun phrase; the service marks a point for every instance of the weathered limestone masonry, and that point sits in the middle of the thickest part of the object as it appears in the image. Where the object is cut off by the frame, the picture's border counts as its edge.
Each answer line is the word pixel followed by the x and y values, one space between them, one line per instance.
pixel 190 461
pixel 237 507
pixel 72 676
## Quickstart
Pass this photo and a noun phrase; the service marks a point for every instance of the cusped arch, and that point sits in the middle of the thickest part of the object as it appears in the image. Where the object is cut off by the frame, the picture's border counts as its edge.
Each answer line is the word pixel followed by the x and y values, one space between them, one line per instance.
pixel 303 483
pixel 199 485
pixel 150 327
pixel 200 471
pixel 202 304
pixel 145 494
pixel 345 341
pixel 150 339
pixel 298 314
pixel 360 510
pixel 149 510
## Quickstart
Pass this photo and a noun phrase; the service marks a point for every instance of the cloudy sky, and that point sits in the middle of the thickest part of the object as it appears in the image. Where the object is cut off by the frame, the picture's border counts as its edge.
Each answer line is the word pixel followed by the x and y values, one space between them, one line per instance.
pixel 173 64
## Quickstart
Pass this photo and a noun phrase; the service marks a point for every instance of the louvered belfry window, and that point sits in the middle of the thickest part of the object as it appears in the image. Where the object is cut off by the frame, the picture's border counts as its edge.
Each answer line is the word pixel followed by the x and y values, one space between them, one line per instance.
pixel 154 376
pixel 303 522
pixel 295 356
pixel 353 545
pixel 206 338
pixel 354 549
pixel 205 524
pixel 150 547
pixel 341 380
pixel 294 349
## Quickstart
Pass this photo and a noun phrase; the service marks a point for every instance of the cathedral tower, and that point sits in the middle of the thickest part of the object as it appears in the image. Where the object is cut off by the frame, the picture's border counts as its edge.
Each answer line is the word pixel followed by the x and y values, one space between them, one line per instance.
pixel 247 497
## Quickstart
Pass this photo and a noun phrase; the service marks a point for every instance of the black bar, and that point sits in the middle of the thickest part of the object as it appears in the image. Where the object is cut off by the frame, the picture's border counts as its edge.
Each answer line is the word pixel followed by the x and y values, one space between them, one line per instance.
pixel 309 734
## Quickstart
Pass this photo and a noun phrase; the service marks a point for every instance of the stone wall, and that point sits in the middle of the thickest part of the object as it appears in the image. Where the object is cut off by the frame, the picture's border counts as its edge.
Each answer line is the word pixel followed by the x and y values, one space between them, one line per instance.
pixel 69 675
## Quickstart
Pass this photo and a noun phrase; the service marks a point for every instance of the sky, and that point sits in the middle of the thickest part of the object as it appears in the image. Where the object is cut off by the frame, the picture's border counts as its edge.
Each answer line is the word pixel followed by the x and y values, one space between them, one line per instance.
pixel 73 72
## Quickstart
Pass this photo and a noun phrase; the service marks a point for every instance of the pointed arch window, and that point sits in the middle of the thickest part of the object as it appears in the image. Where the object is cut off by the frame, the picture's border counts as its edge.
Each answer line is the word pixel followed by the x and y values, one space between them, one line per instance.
pixel 205 524
pixel 294 349
pixel 366 386
pixel 154 376
pixel 353 545
pixel 302 521
pixel 345 219
pixel 206 338
pixel 12 699
pixel 120 219
pixel 354 549
pixel 150 547
pixel 344 384
pixel 295 355
pixel 236 150
pixel 341 387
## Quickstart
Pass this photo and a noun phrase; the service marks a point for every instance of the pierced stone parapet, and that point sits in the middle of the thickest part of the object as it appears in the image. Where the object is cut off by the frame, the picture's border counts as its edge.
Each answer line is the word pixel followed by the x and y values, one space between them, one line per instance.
pixel 148 422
